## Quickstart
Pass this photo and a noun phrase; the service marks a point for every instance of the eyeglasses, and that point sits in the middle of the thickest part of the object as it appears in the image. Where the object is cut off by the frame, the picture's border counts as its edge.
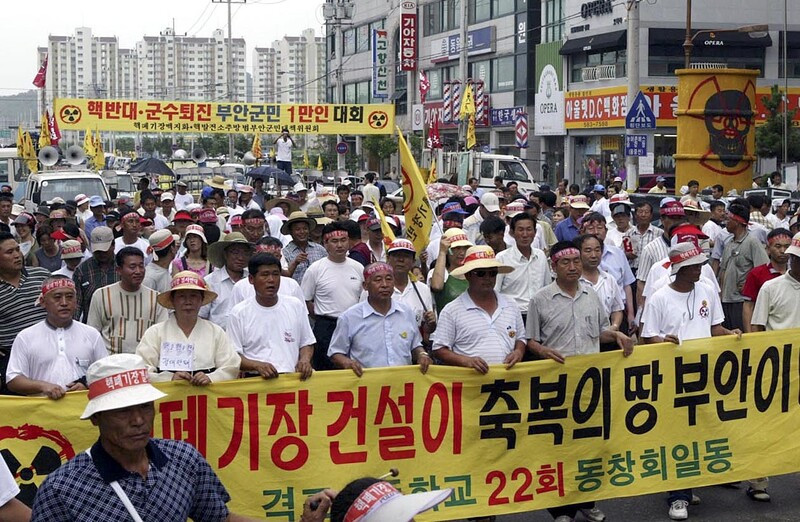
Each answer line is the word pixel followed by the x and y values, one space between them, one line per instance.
pixel 485 273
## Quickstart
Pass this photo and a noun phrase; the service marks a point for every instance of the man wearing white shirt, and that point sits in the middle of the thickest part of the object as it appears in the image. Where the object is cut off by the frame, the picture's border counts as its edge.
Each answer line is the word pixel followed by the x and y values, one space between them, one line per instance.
pixel 271 331
pixel 600 204
pixel 331 286
pixel 148 210
pixel 243 289
pixel 11 508
pixel 182 199
pixel 230 256
pixel 131 227
pixel 530 265
pixel 167 208
pixel 51 357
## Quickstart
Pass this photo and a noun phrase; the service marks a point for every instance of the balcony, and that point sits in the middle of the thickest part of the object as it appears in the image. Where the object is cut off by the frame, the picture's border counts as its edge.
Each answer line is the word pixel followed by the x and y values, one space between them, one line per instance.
pixel 598 73
pixel 708 65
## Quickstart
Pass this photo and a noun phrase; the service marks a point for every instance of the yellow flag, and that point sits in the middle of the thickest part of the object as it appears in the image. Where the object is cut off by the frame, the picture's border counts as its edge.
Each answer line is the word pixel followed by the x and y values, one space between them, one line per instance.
pixel 88 143
pixel 388 233
pixel 432 172
pixel 99 154
pixel 256 148
pixel 29 153
pixel 319 162
pixel 471 141
pixel 416 208
pixel 467 103
pixel 44 132
pixel 306 163
pixel 20 142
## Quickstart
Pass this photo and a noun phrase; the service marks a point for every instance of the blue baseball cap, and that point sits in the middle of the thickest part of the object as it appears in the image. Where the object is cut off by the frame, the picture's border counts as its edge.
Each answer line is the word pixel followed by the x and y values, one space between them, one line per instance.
pixel 599 188
pixel 452 207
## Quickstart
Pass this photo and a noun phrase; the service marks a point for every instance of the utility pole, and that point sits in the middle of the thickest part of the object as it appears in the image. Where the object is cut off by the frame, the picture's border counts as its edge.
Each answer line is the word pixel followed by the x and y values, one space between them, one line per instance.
pixel 231 85
pixel 463 70
pixel 632 162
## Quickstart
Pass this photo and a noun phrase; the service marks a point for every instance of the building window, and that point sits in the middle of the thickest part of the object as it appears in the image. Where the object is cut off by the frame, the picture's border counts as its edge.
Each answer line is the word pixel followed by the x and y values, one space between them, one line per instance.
pixel 479 11
pixel 554 20
pixel 362 39
pixel 441 15
pixel 503 74
pixel 349 42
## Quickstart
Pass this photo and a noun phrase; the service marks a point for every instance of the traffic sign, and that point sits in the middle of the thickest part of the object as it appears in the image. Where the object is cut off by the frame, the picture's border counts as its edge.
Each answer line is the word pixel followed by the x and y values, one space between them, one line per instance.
pixel 640 115
pixel 341 147
pixel 636 145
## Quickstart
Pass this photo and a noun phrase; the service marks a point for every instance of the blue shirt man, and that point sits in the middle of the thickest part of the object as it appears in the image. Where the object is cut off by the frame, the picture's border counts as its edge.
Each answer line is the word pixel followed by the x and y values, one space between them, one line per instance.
pixel 377 332
pixel 568 229
pixel 98 218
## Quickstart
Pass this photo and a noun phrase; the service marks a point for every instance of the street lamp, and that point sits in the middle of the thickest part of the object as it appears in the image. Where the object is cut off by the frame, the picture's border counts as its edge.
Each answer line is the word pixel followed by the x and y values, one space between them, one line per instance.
pixel 755 31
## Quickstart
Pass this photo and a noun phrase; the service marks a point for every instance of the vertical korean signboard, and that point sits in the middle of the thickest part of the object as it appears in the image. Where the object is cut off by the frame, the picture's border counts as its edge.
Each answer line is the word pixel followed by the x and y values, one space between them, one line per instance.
pixel 408 36
pixel 380 63
pixel 549 98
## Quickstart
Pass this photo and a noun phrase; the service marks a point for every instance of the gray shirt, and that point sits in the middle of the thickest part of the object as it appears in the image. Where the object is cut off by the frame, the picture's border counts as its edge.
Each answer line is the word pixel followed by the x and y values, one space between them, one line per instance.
pixel 738 258
pixel 571 325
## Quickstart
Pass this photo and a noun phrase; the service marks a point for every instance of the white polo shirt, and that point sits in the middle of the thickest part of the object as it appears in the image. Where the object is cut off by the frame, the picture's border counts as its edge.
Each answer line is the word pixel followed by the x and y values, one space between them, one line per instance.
pixel 468 330
pixel 529 275
pixel 244 289
pixel 777 304
pixel 334 287
pixel 55 355
pixel 272 334
pixel 608 291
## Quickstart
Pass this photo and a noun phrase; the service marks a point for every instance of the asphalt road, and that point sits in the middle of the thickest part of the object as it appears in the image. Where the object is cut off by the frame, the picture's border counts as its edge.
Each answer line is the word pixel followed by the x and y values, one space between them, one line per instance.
pixel 718 504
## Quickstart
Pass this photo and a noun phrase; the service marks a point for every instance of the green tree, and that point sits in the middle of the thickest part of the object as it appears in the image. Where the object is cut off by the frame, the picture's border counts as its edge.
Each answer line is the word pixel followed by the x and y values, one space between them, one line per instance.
pixel 379 147
pixel 769 137
pixel 125 145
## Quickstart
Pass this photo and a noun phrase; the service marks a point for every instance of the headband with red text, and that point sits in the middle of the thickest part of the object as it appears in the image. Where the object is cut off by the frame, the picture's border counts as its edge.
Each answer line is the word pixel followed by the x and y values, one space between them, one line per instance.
pixel 683 256
pixel 780 237
pixel 738 219
pixel 567 252
pixel 373 497
pixel 117 382
pixel 55 284
pixel 377 268
pixel 334 234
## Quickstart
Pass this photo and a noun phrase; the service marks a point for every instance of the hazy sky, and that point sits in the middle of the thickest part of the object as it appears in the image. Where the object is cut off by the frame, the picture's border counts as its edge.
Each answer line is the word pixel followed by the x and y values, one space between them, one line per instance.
pixel 28 23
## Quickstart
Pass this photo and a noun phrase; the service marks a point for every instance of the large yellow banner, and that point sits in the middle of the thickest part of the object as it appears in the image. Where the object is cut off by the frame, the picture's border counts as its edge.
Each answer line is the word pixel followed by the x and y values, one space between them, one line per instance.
pixel 539 435
pixel 222 117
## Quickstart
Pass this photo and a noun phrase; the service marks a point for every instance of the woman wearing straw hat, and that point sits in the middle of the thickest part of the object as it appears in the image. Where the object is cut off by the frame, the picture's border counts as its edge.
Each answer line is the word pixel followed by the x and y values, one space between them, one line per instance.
pixel 196 257
pixel 186 346
pixel 452 249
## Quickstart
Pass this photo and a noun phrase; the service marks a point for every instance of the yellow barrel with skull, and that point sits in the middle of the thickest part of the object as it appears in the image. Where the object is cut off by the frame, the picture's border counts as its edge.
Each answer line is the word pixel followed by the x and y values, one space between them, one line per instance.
pixel 716 127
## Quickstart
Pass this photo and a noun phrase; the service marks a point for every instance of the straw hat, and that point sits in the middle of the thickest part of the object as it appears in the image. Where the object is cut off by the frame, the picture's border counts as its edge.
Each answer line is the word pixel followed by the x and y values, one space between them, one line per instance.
pixel 216 252
pixel 269 205
pixel 578 201
pixel 118 381
pixel 297 217
pixel 480 256
pixel 457 237
pixel 186 280
pixel 218 181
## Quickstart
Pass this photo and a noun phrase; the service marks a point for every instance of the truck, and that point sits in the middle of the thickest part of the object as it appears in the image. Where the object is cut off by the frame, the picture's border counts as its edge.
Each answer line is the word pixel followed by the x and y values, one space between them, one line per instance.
pixel 458 167
pixel 43 186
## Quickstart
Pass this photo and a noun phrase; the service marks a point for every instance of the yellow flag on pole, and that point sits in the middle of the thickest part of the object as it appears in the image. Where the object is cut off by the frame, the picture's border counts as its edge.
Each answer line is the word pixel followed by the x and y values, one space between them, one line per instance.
pixel 30 153
pixel 319 162
pixel 88 143
pixel 20 142
pixel 44 132
pixel 432 172
pixel 306 163
pixel 471 140
pixel 467 102
pixel 256 148
pixel 99 153
pixel 416 208
pixel 388 233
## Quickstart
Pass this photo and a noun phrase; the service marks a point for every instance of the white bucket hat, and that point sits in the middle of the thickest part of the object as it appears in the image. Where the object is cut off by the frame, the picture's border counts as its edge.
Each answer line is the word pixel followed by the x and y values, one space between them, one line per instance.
pixel 685 254
pixel 118 381
pixel 381 502
pixel 794 247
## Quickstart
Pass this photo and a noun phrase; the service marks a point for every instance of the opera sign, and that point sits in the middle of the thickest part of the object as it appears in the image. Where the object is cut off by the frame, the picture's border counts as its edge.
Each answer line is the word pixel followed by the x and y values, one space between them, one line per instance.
pixel 549 101
pixel 598 7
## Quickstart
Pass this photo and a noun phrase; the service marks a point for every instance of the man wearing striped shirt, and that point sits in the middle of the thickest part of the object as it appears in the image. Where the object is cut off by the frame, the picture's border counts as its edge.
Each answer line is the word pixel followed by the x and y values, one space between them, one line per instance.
pixel 20 287
pixel 123 311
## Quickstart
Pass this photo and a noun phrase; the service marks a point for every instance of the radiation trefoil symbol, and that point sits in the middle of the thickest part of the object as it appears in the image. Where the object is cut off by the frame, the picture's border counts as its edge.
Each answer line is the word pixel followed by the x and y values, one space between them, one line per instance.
pixel 70 114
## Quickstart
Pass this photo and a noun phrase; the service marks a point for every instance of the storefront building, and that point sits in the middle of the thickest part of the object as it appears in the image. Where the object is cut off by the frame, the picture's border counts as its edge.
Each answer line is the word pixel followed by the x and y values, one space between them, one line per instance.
pixel 593 62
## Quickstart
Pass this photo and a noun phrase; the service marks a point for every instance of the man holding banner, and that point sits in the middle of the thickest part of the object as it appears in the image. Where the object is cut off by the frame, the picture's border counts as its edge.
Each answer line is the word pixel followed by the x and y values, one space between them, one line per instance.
pixel 566 318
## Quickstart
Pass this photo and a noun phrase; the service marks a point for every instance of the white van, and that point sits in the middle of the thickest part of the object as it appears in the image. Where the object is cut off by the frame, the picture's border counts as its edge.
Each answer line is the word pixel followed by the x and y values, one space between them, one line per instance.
pixel 66 184
pixel 460 166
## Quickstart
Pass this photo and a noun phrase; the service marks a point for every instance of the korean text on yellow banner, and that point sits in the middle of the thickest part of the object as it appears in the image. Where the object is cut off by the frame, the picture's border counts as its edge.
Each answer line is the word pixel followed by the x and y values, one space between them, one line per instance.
pixel 539 435
pixel 416 208
pixel 223 117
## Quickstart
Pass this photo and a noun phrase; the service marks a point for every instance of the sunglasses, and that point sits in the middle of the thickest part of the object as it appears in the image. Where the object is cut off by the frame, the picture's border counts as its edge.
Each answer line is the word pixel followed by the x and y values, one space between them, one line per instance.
pixel 485 273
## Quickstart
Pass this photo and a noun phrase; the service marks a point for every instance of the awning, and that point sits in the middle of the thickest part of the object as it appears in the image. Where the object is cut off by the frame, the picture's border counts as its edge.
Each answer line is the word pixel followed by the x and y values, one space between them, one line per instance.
pixel 707 39
pixel 398 95
pixel 598 42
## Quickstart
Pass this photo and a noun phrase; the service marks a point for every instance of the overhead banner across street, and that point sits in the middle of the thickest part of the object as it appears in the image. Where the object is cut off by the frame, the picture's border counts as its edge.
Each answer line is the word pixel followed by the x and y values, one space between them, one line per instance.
pixel 224 117
pixel 539 435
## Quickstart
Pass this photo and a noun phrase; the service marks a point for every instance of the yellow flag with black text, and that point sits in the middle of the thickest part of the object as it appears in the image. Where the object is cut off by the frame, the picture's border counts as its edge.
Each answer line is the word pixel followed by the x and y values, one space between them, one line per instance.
pixel 416 208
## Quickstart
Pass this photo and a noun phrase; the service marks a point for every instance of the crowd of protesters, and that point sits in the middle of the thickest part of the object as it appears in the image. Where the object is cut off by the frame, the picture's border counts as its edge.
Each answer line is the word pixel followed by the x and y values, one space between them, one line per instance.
pixel 243 285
